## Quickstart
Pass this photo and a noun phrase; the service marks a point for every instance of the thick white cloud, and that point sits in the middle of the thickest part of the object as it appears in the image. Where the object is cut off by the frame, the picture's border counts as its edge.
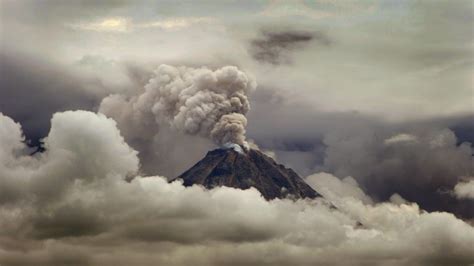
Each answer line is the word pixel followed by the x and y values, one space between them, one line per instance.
pixel 465 189
pixel 93 142
pixel 81 146
pixel 10 138
pixel 98 218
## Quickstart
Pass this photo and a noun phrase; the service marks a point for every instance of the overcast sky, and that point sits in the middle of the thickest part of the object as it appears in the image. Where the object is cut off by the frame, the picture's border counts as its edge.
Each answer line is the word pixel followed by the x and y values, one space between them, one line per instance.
pixel 374 98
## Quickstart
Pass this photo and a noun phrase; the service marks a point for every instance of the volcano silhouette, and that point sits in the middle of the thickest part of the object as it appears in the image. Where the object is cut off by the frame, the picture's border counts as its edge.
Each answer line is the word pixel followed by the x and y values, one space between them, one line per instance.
pixel 237 168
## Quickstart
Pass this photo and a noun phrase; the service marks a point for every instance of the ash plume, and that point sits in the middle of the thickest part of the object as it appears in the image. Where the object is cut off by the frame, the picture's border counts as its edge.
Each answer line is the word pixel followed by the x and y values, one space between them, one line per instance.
pixel 230 129
pixel 196 101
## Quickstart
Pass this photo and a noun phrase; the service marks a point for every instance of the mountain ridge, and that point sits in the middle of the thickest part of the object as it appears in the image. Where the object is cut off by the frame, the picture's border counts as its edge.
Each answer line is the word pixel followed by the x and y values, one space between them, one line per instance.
pixel 235 167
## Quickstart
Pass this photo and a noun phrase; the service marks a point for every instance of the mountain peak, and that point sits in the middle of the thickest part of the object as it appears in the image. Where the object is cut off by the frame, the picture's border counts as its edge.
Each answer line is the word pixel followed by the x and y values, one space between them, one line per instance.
pixel 236 167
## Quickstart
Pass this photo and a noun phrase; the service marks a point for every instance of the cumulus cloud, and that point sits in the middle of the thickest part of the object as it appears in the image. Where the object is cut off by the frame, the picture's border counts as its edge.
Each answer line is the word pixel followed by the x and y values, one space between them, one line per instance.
pixel 419 166
pixel 98 218
pixel 465 189
pixel 81 146
pixel 421 160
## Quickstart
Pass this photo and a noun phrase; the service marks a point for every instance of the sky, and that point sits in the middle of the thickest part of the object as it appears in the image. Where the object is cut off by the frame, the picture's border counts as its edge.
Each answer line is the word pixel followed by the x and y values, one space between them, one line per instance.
pixel 371 102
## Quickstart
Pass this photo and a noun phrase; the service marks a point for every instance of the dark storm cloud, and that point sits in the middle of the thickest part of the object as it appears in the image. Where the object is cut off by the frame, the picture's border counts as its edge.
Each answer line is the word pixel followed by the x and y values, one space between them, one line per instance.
pixel 418 164
pixel 464 128
pixel 421 160
pixel 272 47
pixel 31 90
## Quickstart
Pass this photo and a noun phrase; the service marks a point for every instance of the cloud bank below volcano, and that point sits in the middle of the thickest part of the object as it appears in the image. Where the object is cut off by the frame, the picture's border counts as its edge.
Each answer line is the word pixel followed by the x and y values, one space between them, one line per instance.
pixel 73 205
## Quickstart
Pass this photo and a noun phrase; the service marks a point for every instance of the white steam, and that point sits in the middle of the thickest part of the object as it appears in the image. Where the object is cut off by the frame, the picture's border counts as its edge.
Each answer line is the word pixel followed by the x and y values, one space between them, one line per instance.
pixel 235 147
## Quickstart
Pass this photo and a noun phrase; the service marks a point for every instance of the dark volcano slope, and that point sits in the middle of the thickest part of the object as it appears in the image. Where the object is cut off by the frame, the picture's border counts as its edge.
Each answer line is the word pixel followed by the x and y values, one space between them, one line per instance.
pixel 252 168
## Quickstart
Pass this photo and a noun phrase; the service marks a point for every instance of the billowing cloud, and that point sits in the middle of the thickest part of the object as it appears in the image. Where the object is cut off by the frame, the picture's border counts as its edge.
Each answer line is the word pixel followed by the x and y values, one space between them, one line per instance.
pixel 70 156
pixel 80 209
pixel 178 101
pixel 421 160
pixel 465 190
pixel 199 101
pixel 32 88
pixel 420 166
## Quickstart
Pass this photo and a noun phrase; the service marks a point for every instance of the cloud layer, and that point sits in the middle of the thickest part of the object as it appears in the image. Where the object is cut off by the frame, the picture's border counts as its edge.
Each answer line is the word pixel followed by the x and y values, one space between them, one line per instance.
pixel 74 206
pixel 374 97
pixel 465 190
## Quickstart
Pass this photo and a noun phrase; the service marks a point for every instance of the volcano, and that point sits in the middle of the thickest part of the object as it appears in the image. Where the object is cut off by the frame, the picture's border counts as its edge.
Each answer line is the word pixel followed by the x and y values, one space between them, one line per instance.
pixel 239 168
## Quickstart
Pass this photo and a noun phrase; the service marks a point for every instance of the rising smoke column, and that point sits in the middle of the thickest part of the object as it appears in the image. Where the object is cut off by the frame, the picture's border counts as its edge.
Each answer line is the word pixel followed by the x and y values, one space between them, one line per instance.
pixel 197 101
